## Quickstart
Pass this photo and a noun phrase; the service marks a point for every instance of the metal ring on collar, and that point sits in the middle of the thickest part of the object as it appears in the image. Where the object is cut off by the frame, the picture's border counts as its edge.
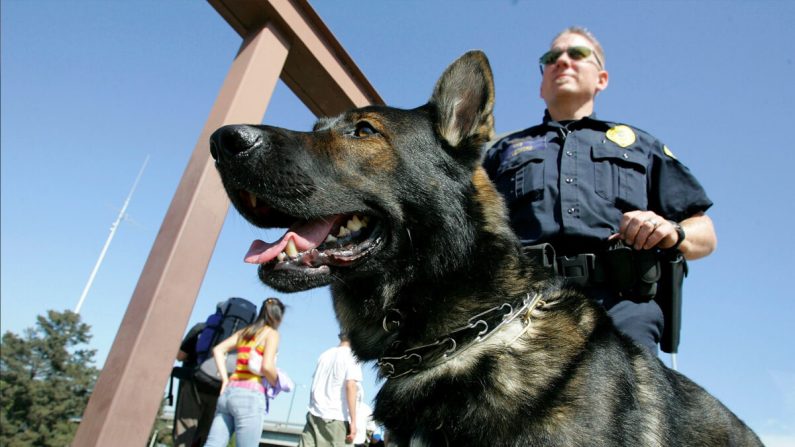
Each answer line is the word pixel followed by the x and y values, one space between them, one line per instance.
pixel 391 320
pixel 484 330
pixel 452 349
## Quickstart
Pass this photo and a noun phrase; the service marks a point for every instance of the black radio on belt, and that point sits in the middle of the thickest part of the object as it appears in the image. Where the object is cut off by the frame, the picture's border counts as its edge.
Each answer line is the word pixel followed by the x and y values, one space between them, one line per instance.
pixel 632 273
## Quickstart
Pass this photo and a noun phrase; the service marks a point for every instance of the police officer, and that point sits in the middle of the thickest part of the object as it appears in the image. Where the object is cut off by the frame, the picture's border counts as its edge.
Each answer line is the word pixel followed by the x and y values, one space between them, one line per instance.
pixel 582 184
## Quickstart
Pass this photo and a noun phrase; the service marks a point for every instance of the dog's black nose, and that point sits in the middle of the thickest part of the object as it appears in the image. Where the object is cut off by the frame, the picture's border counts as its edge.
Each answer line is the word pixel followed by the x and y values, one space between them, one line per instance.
pixel 231 140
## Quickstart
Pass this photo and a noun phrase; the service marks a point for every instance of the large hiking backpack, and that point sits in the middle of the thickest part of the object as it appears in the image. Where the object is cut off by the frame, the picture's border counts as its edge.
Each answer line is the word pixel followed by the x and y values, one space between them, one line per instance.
pixel 229 317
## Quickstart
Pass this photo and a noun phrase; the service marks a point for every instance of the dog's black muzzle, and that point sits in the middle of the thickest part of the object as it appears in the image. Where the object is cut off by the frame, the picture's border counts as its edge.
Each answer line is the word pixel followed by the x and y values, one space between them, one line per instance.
pixel 230 141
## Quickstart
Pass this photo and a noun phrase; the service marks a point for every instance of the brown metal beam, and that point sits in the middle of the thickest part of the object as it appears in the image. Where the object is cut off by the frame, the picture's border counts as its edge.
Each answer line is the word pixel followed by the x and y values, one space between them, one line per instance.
pixel 129 390
pixel 281 38
pixel 318 70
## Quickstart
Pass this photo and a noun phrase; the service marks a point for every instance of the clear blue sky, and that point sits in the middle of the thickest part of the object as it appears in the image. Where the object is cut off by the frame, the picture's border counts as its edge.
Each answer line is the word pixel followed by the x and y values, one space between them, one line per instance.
pixel 89 88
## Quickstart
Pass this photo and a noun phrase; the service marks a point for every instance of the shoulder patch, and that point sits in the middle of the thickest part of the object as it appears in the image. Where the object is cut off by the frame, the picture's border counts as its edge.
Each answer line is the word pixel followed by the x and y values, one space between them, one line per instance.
pixel 518 148
pixel 621 135
pixel 524 145
pixel 668 152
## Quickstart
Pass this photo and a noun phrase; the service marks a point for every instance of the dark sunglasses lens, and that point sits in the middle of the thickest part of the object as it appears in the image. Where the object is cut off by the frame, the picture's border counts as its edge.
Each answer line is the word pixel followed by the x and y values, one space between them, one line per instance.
pixel 550 57
pixel 578 53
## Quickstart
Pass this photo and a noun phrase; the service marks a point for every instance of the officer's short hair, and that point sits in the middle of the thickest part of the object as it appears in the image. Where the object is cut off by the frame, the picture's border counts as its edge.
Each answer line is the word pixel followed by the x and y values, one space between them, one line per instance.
pixel 585 32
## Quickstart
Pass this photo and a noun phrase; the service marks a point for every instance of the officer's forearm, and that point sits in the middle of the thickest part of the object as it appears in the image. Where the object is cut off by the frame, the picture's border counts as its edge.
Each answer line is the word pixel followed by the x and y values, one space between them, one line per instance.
pixel 700 239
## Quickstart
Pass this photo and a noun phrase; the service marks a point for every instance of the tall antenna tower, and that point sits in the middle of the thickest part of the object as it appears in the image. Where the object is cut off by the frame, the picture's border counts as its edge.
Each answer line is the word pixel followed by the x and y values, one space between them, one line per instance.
pixel 113 229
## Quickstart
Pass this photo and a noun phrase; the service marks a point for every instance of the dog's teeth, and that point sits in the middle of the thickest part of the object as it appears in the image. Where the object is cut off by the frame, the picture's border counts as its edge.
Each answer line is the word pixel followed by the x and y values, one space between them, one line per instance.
pixel 290 249
pixel 281 257
pixel 252 200
pixel 363 221
pixel 331 238
pixel 343 232
pixel 354 224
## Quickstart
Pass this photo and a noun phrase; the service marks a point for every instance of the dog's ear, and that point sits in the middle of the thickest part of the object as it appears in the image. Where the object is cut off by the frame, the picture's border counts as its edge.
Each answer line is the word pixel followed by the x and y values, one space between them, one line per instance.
pixel 464 101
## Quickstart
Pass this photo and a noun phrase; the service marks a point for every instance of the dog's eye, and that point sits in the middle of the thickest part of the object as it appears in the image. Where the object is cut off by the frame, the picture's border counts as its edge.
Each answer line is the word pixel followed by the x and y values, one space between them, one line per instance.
pixel 364 129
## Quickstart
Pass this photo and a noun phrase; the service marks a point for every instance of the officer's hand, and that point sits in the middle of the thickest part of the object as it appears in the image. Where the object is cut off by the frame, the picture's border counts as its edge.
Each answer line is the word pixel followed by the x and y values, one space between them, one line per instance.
pixel 644 230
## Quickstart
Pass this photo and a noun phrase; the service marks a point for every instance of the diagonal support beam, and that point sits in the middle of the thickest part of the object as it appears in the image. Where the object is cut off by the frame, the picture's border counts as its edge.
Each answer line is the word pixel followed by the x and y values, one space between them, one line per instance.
pixel 317 70
pixel 282 38
pixel 129 390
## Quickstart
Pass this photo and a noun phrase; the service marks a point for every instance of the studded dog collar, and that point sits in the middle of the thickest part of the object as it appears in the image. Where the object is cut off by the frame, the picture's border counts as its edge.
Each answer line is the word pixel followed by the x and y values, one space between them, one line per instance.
pixel 478 328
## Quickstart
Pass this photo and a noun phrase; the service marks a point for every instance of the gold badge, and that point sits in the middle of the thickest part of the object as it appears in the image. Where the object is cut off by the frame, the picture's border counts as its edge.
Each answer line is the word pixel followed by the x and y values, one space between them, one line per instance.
pixel 621 135
pixel 668 152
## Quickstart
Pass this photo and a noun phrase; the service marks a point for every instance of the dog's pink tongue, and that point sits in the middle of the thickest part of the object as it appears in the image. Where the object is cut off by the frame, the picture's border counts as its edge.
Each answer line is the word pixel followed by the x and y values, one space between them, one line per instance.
pixel 305 235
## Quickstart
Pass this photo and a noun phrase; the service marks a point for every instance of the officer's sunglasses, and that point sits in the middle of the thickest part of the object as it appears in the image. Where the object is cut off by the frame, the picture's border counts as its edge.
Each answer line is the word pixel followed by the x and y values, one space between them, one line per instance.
pixel 576 53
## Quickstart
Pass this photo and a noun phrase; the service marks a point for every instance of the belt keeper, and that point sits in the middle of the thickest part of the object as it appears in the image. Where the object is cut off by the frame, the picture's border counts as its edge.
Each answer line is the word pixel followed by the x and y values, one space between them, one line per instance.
pixel 543 254
pixel 577 269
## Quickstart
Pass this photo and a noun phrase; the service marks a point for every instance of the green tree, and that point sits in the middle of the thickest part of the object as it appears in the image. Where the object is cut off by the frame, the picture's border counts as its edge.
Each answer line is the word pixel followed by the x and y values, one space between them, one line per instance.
pixel 46 377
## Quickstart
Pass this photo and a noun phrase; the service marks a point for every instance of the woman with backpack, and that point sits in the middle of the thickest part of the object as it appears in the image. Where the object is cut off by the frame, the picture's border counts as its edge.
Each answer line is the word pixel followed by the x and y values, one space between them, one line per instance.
pixel 241 405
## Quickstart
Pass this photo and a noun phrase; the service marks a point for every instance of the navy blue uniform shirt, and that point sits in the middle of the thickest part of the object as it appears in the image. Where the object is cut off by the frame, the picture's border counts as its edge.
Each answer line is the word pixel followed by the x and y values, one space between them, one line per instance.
pixel 569 183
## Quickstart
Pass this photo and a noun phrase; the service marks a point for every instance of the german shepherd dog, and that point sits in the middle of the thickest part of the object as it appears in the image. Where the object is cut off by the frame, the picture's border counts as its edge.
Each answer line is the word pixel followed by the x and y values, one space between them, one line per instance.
pixel 476 346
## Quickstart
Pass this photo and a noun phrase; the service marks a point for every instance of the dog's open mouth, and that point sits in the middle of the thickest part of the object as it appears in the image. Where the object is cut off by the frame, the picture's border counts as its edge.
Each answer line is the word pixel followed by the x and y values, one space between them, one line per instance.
pixel 336 240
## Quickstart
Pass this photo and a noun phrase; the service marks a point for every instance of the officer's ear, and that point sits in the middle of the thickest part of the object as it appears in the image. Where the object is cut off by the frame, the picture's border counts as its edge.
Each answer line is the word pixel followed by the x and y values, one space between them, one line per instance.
pixel 602 80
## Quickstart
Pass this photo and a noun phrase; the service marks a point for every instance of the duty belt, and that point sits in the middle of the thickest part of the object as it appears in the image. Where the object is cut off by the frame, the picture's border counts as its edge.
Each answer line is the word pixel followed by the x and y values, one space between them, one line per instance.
pixel 629 272
pixel 581 269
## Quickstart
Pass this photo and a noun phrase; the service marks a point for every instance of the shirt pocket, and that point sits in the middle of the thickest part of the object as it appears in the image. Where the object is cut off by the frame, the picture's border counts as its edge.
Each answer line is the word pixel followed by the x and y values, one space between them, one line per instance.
pixel 620 177
pixel 521 177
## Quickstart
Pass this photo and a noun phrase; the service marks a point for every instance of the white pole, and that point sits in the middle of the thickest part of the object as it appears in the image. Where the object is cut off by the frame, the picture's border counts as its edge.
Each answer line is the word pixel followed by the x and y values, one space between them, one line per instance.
pixel 154 438
pixel 292 400
pixel 113 229
pixel 674 366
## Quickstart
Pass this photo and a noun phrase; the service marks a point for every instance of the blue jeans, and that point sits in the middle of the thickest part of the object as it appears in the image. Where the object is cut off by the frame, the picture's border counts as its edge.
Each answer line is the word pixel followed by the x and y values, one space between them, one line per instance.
pixel 241 411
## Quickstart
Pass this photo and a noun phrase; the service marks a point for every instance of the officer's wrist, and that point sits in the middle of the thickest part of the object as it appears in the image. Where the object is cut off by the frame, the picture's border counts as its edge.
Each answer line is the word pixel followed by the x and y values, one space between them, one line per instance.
pixel 680 235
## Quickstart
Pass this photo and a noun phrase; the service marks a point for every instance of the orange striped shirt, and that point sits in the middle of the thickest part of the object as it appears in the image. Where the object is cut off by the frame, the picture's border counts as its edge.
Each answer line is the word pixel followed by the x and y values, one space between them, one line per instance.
pixel 244 348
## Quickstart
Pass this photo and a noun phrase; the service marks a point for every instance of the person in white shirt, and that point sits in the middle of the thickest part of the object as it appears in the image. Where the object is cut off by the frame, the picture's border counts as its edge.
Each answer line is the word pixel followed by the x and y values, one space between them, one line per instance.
pixel 331 419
